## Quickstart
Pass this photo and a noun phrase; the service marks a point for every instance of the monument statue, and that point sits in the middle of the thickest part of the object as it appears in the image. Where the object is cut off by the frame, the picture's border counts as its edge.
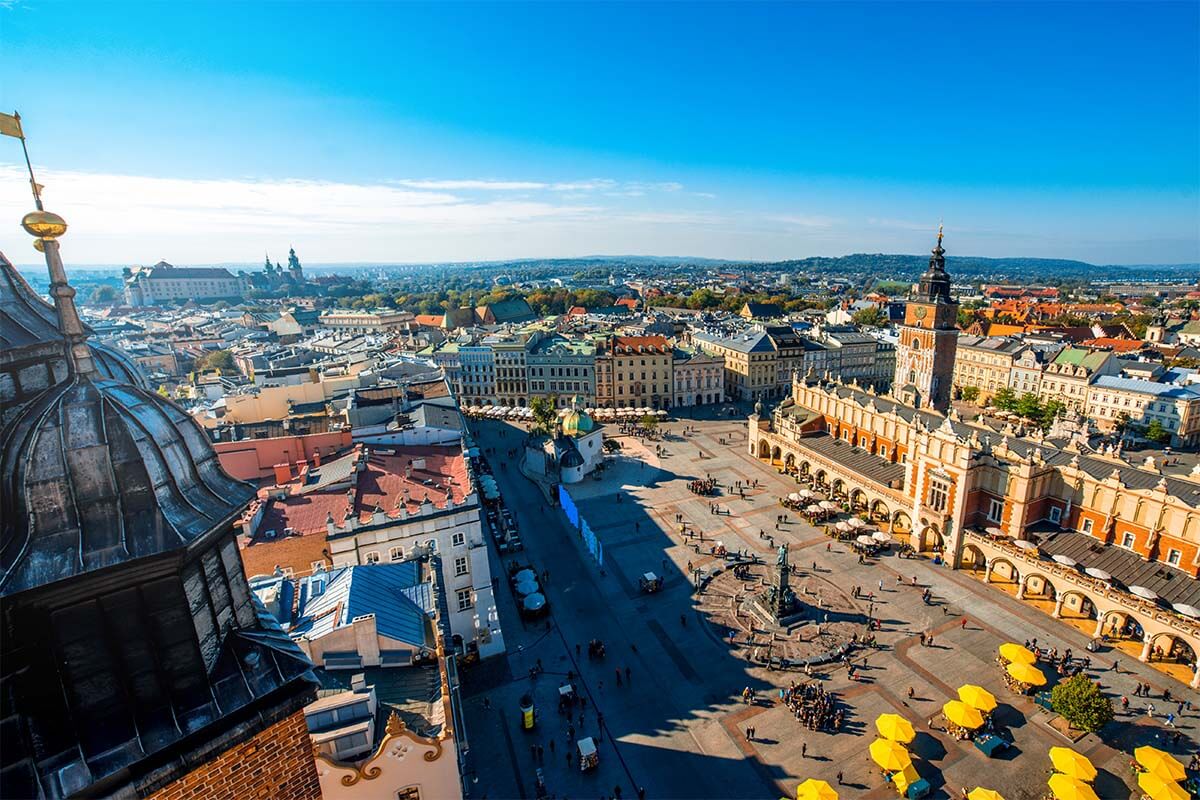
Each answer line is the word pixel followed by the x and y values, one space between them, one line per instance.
pixel 780 599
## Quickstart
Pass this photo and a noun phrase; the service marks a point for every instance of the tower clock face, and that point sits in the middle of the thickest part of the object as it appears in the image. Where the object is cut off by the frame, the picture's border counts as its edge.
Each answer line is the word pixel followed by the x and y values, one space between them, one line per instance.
pixel 920 312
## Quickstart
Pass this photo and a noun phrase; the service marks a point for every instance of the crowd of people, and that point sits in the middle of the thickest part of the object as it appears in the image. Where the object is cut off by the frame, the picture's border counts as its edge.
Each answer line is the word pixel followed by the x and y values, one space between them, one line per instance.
pixel 704 486
pixel 814 707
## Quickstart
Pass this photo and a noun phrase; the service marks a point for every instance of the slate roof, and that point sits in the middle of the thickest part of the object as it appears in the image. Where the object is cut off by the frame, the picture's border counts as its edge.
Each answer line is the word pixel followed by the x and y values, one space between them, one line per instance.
pixel 855 459
pixel 395 593
pixel 1126 567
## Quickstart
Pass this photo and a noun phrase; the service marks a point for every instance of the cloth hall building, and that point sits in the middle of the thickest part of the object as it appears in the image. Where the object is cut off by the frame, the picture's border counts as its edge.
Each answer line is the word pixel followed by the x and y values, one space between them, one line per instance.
pixel 1109 547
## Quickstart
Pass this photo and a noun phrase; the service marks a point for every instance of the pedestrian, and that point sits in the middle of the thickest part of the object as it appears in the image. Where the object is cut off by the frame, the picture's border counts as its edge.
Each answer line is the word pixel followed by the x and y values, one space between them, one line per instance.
pixel 804 749
pixel 964 623
pixel 839 778
pixel 551 747
pixel 911 692
pixel 1171 719
pixel 541 754
pixel 487 704
pixel 618 669
pixel 881 585
pixel 683 620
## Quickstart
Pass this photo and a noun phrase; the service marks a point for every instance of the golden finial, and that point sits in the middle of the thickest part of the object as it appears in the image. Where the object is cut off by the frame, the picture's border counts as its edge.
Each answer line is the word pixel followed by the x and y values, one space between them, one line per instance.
pixel 939 231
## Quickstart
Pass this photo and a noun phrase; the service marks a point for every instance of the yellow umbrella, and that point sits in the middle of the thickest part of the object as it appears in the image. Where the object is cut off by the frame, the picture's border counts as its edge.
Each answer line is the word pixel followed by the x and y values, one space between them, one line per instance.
pixel 895 727
pixel 963 715
pixel 889 755
pixel 1026 673
pixel 1011 651
pixel 1068 762
pixel 1064 787
pixel 1159 789
pixel 977 697
pixel 984 794
pixel 1162 764
pixel 813 789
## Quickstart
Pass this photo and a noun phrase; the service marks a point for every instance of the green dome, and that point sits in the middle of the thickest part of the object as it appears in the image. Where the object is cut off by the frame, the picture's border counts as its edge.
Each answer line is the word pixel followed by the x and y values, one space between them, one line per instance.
pixel 577 423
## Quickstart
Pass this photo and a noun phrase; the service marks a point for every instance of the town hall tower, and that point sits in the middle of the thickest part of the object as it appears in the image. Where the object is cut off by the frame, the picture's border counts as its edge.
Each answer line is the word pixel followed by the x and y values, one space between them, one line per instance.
pixel 928 339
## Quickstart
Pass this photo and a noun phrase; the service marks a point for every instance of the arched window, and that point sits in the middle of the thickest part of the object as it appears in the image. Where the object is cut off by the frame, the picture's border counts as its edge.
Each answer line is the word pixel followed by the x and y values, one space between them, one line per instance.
pixel 916 343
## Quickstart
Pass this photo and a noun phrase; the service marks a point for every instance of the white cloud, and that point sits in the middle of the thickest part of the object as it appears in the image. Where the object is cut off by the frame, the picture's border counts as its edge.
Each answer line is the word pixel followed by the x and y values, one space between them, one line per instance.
pixel 462 185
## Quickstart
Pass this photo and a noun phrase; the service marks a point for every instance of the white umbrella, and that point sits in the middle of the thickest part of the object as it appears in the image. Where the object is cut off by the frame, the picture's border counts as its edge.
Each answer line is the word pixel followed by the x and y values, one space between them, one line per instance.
pixel 1098 574
pixel 805 493
pixel 1066 561
pixel 843 526
pixel 814 509
pixel 828 506
pixel 1186 610
pixel 1024 544
pixel 865 539
pixel 994 531
pixel 534 601
pixel 856 522
pixel 1143 592
pixel 881 537
pixel 794 497
pixel 661 413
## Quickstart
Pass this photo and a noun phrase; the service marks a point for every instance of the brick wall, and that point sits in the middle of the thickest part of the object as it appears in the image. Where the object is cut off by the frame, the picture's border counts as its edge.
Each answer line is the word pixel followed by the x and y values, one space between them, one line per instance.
pixel 277 764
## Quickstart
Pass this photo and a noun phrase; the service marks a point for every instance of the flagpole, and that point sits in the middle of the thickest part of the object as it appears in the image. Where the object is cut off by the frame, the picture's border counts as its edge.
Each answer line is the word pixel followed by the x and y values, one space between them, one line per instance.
pixel 37 197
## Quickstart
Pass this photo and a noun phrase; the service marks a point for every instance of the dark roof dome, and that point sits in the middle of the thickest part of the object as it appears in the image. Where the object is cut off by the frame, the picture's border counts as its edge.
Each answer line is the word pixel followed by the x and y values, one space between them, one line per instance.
pixel 99 472
pixel 26 319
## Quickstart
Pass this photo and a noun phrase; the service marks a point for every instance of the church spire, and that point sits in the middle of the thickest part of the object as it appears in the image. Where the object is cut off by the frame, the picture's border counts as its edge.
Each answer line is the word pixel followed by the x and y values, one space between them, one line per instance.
pixel 46 227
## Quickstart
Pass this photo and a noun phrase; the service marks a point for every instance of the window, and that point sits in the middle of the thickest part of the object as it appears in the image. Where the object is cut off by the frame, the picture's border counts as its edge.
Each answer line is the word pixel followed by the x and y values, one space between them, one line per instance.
pixel 1128 540
pixel 396 553
pixel 995 510
pixel 409 793
pixel 318 566
pixel 1174 557
pixel 1087 526
pixel 465 600
pixel 1055 514
pixel 939 495
pixel 458 539
pixel 371 557
pixel 460 565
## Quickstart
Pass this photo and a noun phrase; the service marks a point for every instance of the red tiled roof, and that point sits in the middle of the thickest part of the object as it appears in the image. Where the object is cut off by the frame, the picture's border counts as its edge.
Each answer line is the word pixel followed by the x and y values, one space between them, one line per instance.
pixel 386 482
pixel 1116 345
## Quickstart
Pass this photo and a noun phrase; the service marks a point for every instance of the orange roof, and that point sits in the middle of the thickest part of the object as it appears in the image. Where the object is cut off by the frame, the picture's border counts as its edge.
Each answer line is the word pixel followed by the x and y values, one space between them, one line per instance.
pixel 1116 345
pixel 999 329
pixel 633 343
pixel 628 302
pixel 430 320
pixel 387 481
pixel 577 311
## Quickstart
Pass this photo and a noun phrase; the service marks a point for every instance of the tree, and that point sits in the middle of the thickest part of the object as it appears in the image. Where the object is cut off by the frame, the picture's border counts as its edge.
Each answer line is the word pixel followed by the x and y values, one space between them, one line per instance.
pixel 1080 702
pixel 1050 411
pixel 1005 399
pixel 544 413
pixel 970 393
pixel 1028 406
pixel 1156 433
pixel 869 317
pixel 649 422
pixel 219 360
pixel 102 295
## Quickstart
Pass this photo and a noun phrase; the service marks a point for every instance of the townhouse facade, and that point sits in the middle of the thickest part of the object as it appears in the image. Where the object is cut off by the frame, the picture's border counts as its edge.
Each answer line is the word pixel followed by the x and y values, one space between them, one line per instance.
pixel 698 378
pixel 985 363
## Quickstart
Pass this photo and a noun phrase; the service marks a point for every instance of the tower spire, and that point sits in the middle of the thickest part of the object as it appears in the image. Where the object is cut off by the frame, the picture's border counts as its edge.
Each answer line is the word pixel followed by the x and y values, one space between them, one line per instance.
pixel 47 227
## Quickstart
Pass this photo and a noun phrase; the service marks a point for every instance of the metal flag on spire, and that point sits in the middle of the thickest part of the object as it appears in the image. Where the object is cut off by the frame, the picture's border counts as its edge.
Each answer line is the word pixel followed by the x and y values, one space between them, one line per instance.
pixel 10 125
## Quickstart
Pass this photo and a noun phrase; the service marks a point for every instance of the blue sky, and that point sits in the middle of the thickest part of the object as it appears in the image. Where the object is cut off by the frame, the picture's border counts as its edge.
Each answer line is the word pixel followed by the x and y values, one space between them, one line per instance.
pixel 401 132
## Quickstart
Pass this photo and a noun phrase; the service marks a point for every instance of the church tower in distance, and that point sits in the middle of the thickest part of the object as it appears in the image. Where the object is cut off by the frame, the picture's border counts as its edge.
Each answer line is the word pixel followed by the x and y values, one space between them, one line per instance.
pixel 928 339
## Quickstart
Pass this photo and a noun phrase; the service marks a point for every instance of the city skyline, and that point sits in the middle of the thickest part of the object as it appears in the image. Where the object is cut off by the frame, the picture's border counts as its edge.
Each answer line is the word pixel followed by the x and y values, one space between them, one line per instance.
pixel 758 133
